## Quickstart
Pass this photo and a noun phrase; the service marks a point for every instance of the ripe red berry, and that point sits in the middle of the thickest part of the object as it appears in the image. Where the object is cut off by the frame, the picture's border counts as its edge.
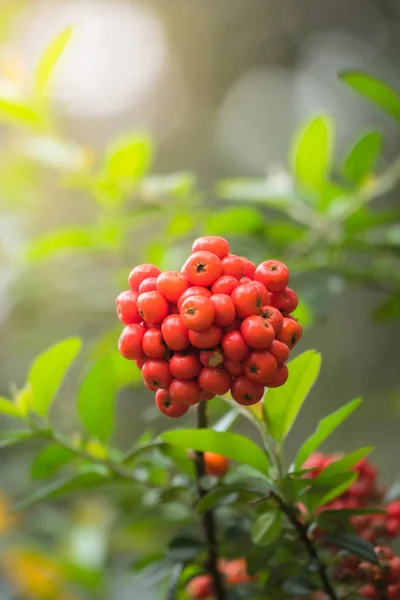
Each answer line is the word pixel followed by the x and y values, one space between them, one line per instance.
pixel 234 346
pixel 211 243
pixel 205 396
pixel 224 308
pixel 127 310
pixel 224 285
pixel 274 316
pixel 153 307
pixel 260 366
pixel 175 334
pixel 140 273
pixel 200 587
pixel 247 300
pixel 202 268
pixel 139 362
pixel 217 381
pixel 286 301
pixel 246 392
pixel 273 274
pixel 156 373
pixel 249 268
pixel 266 297
pixel 232 265
pixel 130 342
pixel 279 351
pixel 212 358
pixel 209 338
pixel 234 368
pixel 215 464
pixel 148 285
pixel 290 333
pixel 152 388
pixel 185 390
pixel 154 345
pixel 257 332
pixel 244 280
pixel 279 378
pixel 195 290
pixel 184 365
pixel 169 406
pixel 172 284
pixel 197 313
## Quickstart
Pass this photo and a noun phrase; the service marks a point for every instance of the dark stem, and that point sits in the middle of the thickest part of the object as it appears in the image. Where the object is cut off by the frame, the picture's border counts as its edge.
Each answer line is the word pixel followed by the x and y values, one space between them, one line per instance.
pixel 208 516
pixel 302 531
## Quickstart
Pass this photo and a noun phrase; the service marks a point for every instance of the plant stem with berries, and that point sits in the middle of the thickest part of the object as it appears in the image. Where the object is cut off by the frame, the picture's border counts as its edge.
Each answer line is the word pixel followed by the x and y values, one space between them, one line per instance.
pixel 208 516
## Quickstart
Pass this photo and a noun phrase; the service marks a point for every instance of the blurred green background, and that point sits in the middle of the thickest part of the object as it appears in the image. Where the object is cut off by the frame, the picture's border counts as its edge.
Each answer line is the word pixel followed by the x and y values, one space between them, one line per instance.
pixel 116 159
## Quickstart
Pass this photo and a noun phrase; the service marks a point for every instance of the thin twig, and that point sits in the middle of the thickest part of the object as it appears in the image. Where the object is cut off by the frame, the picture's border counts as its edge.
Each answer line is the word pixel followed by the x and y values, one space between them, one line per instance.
pixel 309 545
pixel 208 516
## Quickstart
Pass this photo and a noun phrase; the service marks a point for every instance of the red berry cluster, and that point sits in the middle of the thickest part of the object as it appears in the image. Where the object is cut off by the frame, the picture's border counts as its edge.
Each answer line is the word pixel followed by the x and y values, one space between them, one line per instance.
pixel 220 324
pixel 234 573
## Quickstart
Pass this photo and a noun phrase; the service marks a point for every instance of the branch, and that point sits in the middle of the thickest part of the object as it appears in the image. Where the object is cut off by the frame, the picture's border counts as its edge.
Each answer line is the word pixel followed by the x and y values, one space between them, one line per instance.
pixel 208 516
pixel 308 543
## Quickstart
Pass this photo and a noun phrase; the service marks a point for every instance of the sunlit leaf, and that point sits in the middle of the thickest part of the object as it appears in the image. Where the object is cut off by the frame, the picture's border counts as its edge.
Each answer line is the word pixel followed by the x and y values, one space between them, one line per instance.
pixel 59 241
pixel 234 220
pixel 175 184
pixel 18 113
pixel 282 404
pixel 129 158
pixel 48 371
pixel 96 399
pixel 361 161
pixel 7 407
pixel 48 61
pixel 375 90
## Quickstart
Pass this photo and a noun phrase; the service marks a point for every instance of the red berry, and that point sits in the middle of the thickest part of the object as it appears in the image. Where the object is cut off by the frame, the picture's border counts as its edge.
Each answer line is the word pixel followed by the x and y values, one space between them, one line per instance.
pixel 148 285
pixel 274 316
pixel 205 396
pixel 185 390
pixel 195 290
pixel 279 378
pixel 139 362
pixel 197 313
pixel 286 301
pixel 368 591
pixel 156 372
pixel 247 300
pixel 217 381
pixel 211 243
pixel 235 326
pixel 232 265
pixel 154 345
pixel 153 307
pixel 257 332
pixel 127 310
pixel 212 358
pixel 169 406
pixel 246 392
pixel 266 298
pixel 200 587
pixel 234 346
pixel 234 368
pixel 249 268
pixel 224 285
pixel 202 268
pixel 152 388
pixel 290 333
pixel 279 351
pixel 393 592
pixel 224 308
pixel 130 342
pixel 140 273
pixel 184 366
pixel 393 509
pixel 175 334
pixel 215 464
pixel 260 366
pixel 273 274
pixel 244 280
pixel 209 338
pixel 172 284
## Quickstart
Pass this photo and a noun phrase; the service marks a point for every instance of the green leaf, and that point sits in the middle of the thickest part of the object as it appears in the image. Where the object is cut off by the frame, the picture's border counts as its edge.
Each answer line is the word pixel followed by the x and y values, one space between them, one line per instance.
pixel 48 61
pixel 184 548
pixel 281 405
pixel 317 496
pixel 11 437
pixel 375 90
pixel 324 429
pixel 312 150
pixel 231 445
pixel 266 528
pixel 129 158
pixel 361 161
pixel 48 371
pixel 217 497
pixel 346 513
pixel 299 586
pixel 173 585
pixel 389 310
pixel 96 399
pixel 7 407
pixel 234 221
pixel 49 460
pixel 59 241
pixel 17 113
pixel 355 545
pixel 344 464
pixel 226 421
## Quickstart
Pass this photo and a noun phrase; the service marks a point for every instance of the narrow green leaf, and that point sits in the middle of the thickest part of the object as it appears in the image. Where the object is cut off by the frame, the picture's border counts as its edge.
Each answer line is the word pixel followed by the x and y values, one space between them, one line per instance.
pixel 96 399
pixel 48 371
pixel 231 445
pixel 314 498
pixel 324 429
pixel 375 90
pixel 10 437
pixel 49 460
pixel 312 150
pixel 345 463
pixel 281 405
pixel 17 113
pixel 347 513
pixel 241 220
pixel 7 407
pixel 48 61
pixel 266 528
pixel 355 545
pixel 60 241
pixel 361 161
pixel 129 158
pixel 217 497
pixel 389 310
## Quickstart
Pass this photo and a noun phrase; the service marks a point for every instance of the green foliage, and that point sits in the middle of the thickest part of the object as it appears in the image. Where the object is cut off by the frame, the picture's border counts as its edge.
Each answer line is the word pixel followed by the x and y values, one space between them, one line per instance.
pixel 48 60
pixel 363 157
pixel 96 399
pixel 129 158
pixel 375 90
pixel 266 528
